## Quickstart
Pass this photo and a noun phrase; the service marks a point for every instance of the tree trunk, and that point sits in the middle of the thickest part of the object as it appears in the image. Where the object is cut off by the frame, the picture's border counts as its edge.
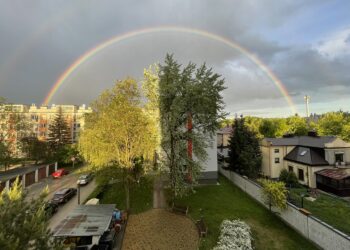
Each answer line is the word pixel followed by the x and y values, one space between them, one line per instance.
pixel 127 189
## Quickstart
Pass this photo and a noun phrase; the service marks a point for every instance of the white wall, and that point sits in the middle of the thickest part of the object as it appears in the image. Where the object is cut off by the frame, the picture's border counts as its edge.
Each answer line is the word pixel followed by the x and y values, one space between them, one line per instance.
pixel 310 227
pixel 211 164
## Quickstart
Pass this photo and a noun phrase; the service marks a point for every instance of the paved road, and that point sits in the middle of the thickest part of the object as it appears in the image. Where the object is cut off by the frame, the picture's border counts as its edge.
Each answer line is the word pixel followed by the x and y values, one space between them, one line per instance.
pixel 65 209
pixel 56 184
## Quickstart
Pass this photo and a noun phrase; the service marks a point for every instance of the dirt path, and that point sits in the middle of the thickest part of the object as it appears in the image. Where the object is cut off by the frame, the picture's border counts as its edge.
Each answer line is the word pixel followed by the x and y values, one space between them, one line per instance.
pixel 158 229
pixel 158 193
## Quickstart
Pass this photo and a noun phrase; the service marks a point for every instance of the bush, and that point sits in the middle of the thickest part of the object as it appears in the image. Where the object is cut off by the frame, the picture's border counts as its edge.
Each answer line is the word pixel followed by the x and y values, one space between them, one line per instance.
pixel 234 235
pixel 289 178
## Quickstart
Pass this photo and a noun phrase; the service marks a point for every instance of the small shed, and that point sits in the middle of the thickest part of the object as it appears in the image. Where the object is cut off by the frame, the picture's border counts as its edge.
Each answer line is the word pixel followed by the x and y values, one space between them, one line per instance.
pixel 335 180
pixel 85 225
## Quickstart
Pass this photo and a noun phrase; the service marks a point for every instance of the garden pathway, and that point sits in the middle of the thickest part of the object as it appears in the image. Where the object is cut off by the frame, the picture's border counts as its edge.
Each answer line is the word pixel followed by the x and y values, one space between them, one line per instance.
pixel 160 229
pixel 158 193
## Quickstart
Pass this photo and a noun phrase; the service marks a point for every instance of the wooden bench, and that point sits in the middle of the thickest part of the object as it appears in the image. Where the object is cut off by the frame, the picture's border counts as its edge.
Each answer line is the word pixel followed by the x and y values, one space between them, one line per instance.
pixel 180 209
pixel 202 228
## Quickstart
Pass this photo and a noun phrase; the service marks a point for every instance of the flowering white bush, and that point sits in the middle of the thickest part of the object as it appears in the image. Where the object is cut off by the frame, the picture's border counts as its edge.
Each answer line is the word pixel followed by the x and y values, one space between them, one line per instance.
pixel 234 235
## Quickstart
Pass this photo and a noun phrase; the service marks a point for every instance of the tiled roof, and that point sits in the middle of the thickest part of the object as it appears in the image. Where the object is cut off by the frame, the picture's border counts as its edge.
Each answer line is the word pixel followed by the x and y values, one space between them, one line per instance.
pixel 335 173
pixel 306 141
pixel 307 156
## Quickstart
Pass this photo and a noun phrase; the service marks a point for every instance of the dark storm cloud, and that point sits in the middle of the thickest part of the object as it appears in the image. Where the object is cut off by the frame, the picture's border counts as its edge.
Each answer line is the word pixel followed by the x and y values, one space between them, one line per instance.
pixel 40 39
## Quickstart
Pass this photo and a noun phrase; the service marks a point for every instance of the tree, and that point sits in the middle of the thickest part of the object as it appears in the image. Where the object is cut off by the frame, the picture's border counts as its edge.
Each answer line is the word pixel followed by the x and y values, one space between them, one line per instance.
pixel 244 150
pixel 34 149
pixel 191 106
pixel 59 135
pixel 274 193
pixel 118 131
pixel 289 178
pixel 5 155
pixel 331 124
pixel 24 224
pixel 346 132
pixel 297 125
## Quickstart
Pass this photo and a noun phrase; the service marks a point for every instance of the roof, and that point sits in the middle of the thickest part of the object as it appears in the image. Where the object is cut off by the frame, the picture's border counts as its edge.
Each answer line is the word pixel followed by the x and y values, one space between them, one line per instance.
pixel 62 191
pixel 14 172
pixel 307 156
pixel 307 141
pixel 225 130
pixel 86 221
pixel 335 173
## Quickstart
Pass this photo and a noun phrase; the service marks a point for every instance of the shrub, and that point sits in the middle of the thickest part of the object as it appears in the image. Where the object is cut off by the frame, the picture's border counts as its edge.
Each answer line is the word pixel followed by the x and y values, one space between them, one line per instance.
pixel 289 178
pixel 234 235
pixel 274 193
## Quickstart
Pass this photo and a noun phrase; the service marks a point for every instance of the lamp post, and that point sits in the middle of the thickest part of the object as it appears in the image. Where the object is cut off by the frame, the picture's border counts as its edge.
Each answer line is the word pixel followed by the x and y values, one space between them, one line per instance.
pixel 78 188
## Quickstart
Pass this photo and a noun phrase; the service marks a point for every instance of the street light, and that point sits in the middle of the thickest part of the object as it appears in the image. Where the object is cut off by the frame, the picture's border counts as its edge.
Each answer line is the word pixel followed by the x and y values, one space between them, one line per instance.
pixel 78 188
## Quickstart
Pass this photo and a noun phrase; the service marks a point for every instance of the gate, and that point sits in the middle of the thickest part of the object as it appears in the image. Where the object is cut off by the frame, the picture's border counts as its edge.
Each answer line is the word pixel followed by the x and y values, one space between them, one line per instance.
pixel 51 168
pixel 42 173
pixel 30 178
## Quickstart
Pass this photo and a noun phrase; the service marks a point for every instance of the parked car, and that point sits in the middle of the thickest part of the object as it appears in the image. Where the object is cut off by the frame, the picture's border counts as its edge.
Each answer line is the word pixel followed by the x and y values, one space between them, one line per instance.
pixel 50 208
pixel 59 173
pixel 63 195
pixel 84 179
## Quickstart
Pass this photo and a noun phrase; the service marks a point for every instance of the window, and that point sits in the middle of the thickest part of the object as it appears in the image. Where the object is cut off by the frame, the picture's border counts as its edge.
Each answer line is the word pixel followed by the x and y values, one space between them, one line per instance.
pixel 303 152
pixel 277 160
pixel 277 150
pixel 290 168
pixel 301 174
pixel 339 157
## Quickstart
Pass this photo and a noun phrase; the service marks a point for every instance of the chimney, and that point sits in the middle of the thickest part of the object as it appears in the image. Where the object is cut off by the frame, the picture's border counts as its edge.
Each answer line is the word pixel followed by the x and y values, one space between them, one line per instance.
pixel 312 133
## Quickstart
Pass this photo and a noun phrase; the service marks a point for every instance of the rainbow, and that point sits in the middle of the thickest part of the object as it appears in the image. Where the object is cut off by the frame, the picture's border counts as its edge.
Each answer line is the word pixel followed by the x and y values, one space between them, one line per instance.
pixel 89 54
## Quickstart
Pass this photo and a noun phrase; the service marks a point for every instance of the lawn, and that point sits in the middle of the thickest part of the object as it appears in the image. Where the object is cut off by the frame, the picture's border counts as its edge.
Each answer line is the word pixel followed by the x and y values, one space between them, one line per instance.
pixel 226 201
pixel 141 195
pixel 331 210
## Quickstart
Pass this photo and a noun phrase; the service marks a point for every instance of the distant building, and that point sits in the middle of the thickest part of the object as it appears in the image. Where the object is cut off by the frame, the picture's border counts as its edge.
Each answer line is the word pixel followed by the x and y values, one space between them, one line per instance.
pixel 37 121
pixel 318 161
pixel 41 118
pixel 223 137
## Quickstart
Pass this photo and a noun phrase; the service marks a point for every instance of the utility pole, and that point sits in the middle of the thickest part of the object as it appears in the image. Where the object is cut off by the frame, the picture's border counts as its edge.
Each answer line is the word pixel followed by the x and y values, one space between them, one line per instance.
pixel 307 101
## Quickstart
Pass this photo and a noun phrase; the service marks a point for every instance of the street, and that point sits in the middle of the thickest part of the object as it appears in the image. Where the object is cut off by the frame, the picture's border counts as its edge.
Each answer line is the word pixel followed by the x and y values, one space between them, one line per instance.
pixel 68 181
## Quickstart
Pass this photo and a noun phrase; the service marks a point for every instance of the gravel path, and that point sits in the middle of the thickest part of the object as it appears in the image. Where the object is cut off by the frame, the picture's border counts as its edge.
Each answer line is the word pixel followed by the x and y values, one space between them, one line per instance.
pixel 158 229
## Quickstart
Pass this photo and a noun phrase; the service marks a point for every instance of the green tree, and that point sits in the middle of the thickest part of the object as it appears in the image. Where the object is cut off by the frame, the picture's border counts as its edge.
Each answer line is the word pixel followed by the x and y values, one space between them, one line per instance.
pixel 5 155
pixel 274 193
pixel 289 178
pixel 118 131
pixel 331 124
pixel 191 106
pixel 24 224
pixel 34 149
pixel 59 136
pixel 346 132
pixel 268 128
pixel 297 125
pixel 244 150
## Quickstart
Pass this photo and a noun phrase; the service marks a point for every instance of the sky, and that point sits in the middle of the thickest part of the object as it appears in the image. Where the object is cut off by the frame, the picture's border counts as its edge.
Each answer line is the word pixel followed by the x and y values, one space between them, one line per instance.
pixel 306 44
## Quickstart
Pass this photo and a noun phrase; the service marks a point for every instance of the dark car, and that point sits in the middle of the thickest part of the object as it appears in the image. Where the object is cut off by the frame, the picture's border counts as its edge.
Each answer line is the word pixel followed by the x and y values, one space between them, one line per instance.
pixel 84 179
pixel 63 195
pixel 50 208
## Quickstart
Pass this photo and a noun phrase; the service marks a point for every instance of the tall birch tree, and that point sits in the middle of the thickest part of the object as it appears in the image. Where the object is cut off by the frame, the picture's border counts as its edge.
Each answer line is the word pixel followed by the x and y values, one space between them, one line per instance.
pixel 119 132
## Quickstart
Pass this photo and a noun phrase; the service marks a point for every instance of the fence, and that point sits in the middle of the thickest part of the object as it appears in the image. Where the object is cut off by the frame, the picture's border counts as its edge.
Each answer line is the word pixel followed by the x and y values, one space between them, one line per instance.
pixel 310 227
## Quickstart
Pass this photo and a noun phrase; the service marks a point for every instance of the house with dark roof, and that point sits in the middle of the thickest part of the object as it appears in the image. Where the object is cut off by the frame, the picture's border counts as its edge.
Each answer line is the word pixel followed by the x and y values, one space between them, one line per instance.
pixel 315 160
pixel 223 137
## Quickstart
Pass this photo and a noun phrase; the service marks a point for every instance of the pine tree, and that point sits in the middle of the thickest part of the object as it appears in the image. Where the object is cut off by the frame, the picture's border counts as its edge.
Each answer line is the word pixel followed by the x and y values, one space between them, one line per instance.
pixel 244 150
pixel 24 224
pixel 59 132
pixel 59 137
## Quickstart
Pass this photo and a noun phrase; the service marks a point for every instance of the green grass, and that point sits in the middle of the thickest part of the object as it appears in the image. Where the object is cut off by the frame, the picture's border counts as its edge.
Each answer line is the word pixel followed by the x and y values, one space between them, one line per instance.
pixel 226 201
pixel 331 210
pixel 141 195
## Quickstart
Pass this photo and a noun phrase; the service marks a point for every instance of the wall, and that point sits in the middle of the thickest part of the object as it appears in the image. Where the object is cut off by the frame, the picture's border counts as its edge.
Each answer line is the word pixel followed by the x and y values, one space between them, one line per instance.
pixel 310 227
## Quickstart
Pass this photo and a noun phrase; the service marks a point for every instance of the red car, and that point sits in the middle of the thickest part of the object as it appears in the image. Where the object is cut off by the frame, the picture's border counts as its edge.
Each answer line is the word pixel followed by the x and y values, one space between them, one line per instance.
pixel 59 173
